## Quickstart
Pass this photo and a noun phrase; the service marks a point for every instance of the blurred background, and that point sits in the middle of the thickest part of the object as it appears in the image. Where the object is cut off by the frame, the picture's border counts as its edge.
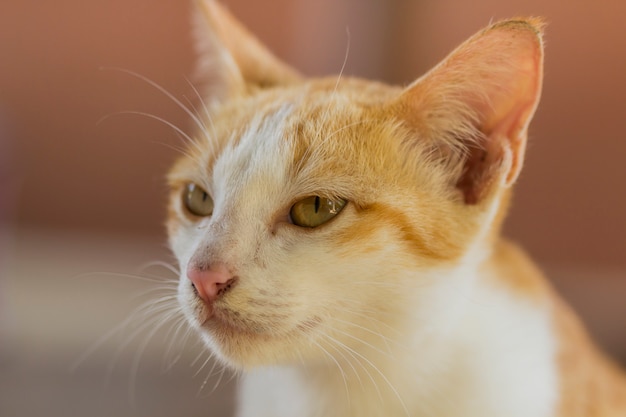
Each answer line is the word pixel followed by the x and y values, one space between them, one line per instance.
pixel 82 201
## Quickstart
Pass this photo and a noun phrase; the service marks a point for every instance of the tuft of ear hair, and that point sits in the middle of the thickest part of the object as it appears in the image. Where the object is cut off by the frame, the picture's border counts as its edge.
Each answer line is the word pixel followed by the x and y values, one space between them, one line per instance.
pixel 475 106
pixel 232 60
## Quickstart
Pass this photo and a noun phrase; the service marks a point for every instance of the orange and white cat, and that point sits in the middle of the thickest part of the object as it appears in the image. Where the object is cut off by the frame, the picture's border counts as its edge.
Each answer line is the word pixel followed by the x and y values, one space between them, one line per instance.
pixel 339 239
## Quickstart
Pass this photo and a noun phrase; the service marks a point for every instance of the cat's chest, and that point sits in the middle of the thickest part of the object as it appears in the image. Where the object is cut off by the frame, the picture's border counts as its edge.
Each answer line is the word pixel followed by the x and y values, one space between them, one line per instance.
pixel 273 392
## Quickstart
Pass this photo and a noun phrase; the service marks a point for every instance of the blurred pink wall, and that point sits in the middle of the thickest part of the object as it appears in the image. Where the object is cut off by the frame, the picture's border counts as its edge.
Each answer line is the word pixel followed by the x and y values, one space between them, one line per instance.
pixel 72 173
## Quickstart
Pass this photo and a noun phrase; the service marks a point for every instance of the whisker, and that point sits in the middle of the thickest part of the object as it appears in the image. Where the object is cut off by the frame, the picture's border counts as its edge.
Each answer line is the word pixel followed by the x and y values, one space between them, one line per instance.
pixel 357 339
pixel 211 374
pixel 209 357
pixel 180 324
pixel 207 114
pixel 370 331
pixel 324 118
pixel 126 343
pixel 155 278
pixel 348 351
pixel 334 92
pixel 233 375
pixel 134 368
pixel 106 337
pixel 219 379
pixel 336 362
pixel 161 264
pixel 169 296
pixel 150 116
pixel 345 59
pixel 382 375
pixel 201 100
pixel 98 343
pixel 178 149
pixel 386 340
pixel 169 95
pixel 349 362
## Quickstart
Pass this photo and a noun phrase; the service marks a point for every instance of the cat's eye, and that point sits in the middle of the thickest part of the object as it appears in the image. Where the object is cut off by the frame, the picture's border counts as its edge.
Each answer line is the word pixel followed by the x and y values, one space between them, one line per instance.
pixel 197 201
pixel 315 210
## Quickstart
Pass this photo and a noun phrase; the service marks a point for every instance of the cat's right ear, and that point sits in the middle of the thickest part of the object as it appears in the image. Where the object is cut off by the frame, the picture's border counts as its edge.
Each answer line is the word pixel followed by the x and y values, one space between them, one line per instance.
pixel 232 62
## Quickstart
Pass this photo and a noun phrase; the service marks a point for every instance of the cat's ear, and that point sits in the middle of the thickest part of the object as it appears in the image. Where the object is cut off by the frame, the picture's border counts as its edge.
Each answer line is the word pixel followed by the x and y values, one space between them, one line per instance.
pixel 475 106
pixel 232 61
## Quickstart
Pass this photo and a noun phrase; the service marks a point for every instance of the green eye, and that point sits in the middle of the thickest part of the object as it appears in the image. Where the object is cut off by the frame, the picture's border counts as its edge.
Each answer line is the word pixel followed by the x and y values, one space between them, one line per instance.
pixel 197 201
pixel 314 211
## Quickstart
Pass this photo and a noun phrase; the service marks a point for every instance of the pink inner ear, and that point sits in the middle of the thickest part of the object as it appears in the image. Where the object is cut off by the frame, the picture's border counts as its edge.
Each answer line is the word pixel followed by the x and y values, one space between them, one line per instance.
pixel 485 160
pixel 478 175
pixel 481 98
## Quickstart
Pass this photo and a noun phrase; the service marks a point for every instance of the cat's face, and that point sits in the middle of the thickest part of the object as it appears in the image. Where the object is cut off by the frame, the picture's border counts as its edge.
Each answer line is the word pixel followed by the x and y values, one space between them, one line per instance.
pixel 338 208
pixel 265 155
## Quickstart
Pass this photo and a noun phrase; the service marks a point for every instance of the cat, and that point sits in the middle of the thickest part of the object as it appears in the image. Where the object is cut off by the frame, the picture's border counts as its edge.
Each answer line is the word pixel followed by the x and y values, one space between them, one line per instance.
pixel 339 238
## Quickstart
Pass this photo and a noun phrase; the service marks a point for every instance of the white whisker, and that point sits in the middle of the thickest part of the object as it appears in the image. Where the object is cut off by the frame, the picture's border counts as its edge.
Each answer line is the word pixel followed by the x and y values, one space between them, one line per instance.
pixel 382 375
pixel 370 331
pixel 150 116
pixel 219 379
pixel 357 339
pixel 349 352
pixel 336 362
pixel 335 89
pixel 121 275
pixel 209 357
pixel 180 324
pixel 169 95
pixel 134 368
pixel 161 264
pixel 206 112
pixel 348 361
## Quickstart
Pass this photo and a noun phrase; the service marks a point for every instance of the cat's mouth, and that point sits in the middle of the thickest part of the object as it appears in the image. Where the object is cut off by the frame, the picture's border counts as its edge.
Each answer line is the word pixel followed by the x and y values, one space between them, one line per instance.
pixel 225 320
pixel 225 323
pixel 253 336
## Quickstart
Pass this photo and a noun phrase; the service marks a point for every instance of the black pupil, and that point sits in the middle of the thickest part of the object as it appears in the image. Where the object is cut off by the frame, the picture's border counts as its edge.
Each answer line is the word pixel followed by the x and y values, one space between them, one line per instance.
pixel 204 197
pixel 317 204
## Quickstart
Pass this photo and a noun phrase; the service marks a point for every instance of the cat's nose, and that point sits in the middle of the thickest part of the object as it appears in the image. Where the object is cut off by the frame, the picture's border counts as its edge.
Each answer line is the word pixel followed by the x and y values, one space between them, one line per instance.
pixel 210 282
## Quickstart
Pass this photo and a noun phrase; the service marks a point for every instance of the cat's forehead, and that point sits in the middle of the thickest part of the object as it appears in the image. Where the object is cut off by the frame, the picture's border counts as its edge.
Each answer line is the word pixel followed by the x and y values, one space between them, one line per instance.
pixel 275 149
pixel 282 125
pixel 322 137
pixel 258 151
pixel 319 101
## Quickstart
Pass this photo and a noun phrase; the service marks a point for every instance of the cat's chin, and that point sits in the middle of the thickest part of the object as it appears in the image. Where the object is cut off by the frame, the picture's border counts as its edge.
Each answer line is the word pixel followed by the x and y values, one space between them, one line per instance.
pixel 245 343
pixel 224 323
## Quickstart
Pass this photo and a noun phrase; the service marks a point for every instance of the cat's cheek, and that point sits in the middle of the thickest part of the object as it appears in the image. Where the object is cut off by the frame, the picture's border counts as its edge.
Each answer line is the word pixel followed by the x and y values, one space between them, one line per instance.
pixel 183 243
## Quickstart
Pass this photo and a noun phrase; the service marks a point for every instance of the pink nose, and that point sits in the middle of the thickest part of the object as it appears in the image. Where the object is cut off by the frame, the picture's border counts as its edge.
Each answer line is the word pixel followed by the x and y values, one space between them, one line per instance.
pixel 210 282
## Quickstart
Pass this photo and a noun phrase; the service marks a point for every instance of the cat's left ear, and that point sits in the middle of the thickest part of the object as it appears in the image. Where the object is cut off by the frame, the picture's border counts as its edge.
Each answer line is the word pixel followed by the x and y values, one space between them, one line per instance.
pixel 232 61
pixel 474 107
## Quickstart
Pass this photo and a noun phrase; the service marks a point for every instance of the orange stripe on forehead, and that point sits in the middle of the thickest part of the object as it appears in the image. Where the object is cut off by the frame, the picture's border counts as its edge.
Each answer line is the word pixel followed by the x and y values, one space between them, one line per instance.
pixel 322 132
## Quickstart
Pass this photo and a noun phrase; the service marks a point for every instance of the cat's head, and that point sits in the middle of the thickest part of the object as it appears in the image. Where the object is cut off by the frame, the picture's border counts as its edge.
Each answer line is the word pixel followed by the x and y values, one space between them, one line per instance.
pixel 311 216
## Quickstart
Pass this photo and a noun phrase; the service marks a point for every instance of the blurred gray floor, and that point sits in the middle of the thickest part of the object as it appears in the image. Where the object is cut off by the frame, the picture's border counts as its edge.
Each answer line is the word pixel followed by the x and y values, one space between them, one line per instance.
pixel 60 295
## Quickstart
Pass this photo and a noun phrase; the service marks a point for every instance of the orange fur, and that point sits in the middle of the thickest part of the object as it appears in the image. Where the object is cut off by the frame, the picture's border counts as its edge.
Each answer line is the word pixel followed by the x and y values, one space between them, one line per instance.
pixel 591 384
pixel 518 273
